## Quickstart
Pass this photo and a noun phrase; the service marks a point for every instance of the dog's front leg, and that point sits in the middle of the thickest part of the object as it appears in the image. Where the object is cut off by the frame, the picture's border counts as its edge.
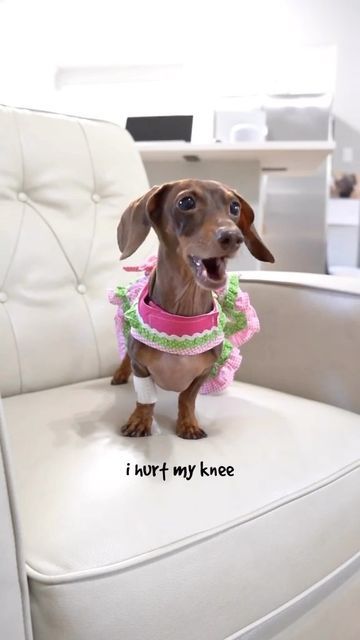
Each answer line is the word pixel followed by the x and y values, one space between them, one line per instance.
pixel 187 425
pixel 139 423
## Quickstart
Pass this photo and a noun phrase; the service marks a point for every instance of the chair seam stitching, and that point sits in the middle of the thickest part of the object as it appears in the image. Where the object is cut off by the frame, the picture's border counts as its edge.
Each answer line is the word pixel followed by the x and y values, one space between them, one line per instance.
pixel 296 599
pixel 17 349
pixel 34 208
pixel 14 251
pixel 92 165
pixel 189 541
pixel 91 245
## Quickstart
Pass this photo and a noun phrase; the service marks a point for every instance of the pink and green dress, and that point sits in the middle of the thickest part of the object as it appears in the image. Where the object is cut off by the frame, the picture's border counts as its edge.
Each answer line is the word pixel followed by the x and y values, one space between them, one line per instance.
pixel 232 322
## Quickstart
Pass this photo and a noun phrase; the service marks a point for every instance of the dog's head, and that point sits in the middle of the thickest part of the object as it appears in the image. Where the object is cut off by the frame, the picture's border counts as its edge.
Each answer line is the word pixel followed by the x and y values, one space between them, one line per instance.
pixel 203 222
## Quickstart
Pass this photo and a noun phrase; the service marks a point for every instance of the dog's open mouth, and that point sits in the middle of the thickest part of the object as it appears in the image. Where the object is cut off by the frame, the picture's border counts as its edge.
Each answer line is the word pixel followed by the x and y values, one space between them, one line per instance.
pixel 209 272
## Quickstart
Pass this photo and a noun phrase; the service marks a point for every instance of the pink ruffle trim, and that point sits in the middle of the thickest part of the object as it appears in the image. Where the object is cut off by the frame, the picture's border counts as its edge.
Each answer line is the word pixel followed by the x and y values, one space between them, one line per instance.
pixel 226 372
pixel 133 292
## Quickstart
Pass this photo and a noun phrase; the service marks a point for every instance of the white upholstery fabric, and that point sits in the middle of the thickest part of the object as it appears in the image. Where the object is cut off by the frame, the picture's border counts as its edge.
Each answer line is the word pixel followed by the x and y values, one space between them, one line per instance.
pixel 309 343
pixel 202 559
pixel 15 620
pixel 272 552
pixel 63 184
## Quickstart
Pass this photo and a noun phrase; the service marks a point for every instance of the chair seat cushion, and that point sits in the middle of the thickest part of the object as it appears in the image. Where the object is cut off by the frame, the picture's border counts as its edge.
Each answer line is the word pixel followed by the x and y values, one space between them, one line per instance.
pixel 128 556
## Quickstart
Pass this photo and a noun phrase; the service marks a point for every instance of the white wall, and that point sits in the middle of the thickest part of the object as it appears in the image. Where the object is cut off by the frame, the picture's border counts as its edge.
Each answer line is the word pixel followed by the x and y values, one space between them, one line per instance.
pixel 231 46
pixel 335 22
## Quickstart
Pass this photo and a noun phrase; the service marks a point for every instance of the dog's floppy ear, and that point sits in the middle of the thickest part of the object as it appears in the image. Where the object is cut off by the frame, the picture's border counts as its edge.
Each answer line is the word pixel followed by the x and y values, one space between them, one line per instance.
pixel 135 222
pixel 251 237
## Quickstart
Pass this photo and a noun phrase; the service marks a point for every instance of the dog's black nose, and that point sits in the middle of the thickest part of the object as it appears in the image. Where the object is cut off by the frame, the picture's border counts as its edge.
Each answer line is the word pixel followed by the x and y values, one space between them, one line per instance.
pixel 229 239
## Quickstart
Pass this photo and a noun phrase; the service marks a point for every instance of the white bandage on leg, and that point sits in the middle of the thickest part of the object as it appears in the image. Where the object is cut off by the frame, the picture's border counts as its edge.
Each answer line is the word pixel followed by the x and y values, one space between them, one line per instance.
pixel 145 390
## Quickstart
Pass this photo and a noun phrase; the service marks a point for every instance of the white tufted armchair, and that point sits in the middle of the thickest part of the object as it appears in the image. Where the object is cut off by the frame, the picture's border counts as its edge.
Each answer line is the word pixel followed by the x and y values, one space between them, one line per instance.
pixel 87 552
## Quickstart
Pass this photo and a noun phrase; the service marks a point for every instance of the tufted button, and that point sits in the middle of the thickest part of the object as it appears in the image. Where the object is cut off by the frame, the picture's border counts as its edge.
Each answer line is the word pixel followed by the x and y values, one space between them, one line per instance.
pixel 3 296
pixel 22 196
pixel 81 288
pixel 95 197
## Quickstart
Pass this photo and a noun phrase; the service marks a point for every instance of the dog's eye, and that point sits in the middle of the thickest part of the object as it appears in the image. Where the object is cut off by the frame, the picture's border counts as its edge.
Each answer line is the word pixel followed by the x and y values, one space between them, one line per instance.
pixel 186 203
pixel 234 208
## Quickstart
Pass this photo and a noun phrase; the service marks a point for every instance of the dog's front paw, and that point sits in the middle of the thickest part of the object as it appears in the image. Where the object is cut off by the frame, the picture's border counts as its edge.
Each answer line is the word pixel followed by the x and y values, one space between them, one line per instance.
pixel 190 431
pixel 135 430
pixel 139 424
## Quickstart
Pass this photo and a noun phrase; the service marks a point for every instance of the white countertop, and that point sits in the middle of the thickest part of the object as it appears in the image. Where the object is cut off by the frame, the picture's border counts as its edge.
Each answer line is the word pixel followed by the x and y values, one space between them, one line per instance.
pixel 297 157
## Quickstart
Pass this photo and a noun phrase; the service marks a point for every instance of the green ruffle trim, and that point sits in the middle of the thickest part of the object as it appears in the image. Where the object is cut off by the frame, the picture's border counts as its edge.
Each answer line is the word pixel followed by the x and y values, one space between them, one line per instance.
pixel 226 350
pixel 133 320
pixel 122 293
pixel 236 319
pixel 230 321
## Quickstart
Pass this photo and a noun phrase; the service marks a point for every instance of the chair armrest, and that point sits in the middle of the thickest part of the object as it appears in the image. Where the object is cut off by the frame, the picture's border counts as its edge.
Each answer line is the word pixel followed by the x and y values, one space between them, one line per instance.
pixel 14 610
pixel 309 343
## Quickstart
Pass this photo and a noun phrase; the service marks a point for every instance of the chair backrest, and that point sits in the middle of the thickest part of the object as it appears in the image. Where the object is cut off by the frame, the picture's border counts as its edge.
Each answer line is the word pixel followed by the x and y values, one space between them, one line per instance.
pixel 64 183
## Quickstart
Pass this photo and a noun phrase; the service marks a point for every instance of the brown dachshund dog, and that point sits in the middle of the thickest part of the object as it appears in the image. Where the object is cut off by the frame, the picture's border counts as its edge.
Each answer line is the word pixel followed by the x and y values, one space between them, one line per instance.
pixel 200 224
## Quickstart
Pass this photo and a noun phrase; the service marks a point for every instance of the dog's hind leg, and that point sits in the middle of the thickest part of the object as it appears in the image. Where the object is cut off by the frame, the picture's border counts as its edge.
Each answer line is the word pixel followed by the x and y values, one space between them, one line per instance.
pixel 122 373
